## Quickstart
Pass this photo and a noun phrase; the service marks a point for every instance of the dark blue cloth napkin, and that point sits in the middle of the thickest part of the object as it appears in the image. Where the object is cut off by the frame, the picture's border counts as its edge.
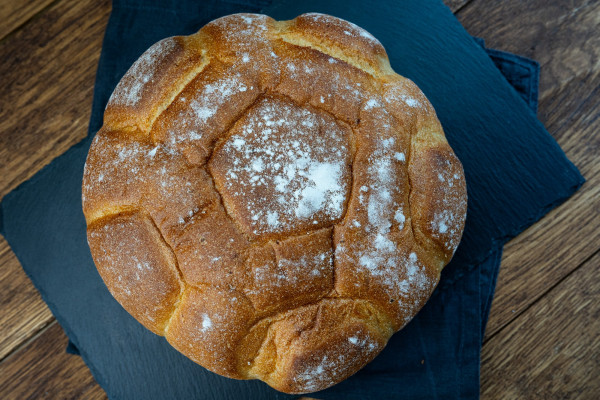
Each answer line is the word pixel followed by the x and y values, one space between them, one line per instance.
pixel 515 173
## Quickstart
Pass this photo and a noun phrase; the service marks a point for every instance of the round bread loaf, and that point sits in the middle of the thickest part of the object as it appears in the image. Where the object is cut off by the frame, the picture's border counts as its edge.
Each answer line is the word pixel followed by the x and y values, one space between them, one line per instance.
pixel 272 198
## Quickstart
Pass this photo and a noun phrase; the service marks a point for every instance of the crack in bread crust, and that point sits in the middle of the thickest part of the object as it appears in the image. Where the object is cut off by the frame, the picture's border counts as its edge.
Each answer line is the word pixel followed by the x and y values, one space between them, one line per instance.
pixel 167 255
pixel 303 42
pixel 180 276
pixel 410 151
pixel 171 98
pixel 98 216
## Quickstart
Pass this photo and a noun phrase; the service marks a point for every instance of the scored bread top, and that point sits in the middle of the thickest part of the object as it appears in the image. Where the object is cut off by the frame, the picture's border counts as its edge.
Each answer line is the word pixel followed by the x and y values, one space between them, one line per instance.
pixel 272 198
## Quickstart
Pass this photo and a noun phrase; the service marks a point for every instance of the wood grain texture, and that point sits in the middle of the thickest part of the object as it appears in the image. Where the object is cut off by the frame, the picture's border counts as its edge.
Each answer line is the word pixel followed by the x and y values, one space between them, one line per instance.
pixel 24 312
pixel 569 104
pixel 562 240
pixel 42 370
pixel 456 5
pixel 47 80
pixel 551 351
pixel 15 13
pixel 47 76
pixel 561 35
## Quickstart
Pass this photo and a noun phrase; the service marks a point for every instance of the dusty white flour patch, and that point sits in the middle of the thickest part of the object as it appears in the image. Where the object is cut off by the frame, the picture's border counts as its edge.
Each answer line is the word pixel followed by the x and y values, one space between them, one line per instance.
pixel 206 323
pixel 323 182
pixel 372 103
pixel 283 167
pixel 397 94
pixel 324 371
pixel 411 101
pixel 272 218
pixel 129 90
pixel 213 95
pixel 450 211
pixel 399 218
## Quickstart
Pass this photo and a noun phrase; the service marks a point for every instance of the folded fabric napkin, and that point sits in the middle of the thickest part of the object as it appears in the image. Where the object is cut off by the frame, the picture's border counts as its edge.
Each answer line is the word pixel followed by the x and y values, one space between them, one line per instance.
pixel 515 173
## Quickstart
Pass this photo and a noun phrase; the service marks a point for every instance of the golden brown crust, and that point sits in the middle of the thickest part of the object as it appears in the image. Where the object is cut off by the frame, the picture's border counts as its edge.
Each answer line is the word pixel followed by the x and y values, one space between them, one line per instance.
pixel 138 267
pixel 272 197
pixel 208 324
pixel 329 34
pixel 151 83
pixel 211 251
pixel 289 273
pixel 314 346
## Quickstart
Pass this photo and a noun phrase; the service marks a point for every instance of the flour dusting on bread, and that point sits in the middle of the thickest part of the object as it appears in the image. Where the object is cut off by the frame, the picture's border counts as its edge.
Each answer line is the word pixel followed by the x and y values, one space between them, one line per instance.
pixel 272 198
pixel 141 73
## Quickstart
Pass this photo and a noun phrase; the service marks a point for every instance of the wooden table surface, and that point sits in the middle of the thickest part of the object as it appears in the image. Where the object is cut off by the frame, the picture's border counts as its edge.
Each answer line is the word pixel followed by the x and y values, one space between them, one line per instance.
pixel 543 336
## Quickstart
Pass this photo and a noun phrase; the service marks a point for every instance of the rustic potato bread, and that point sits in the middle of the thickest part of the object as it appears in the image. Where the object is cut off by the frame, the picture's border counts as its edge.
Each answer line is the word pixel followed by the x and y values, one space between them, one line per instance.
pixel 272 198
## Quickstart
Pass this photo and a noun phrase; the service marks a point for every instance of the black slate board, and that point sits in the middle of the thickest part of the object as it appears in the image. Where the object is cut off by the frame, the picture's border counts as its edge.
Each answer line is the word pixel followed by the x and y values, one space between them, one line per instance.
pixel 515 173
